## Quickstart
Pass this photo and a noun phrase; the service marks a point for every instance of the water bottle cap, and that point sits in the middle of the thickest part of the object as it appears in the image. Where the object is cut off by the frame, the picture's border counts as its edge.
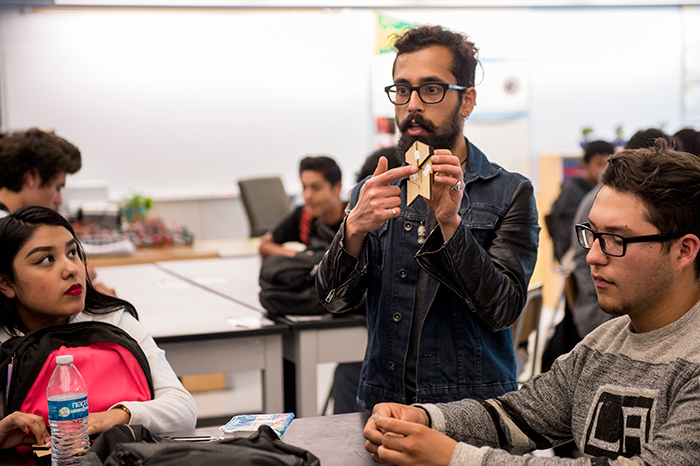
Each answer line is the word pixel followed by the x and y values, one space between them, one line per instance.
pixel 64 359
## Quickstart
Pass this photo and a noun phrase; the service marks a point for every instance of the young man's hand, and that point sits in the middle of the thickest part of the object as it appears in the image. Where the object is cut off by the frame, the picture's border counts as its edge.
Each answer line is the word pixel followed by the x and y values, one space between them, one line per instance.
pixel 399 434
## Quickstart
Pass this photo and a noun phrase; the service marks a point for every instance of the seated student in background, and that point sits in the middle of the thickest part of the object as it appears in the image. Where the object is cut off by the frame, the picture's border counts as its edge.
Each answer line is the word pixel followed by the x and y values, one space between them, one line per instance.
pixel 43 282
pixel 34 168
pixel 688 140
pixel 561 217
pixel 370 164
pixel 629 393
pixel 314 224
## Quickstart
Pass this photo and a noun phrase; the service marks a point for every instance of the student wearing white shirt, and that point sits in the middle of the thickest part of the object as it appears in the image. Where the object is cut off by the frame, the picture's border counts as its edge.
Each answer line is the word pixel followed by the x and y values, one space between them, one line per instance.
pixel 43 282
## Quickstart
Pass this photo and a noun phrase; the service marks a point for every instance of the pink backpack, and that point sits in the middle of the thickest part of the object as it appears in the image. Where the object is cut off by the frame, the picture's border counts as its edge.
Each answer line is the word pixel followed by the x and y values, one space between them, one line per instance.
pixel 113 365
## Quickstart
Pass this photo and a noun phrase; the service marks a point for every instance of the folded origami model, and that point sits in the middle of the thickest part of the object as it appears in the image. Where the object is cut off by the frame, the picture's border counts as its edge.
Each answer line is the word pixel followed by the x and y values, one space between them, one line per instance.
pixel 420 183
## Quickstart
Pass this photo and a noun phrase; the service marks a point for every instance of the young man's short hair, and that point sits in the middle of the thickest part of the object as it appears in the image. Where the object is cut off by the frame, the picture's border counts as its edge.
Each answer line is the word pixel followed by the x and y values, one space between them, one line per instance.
pixel 599 147
pixel 326 166
pixel 666 180
pixel 465 55
pixel 646 138
pixel 49 155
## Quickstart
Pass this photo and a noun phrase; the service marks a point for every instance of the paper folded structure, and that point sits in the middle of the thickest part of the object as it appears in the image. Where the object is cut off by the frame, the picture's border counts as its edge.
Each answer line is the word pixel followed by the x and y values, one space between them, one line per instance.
pixel 420 183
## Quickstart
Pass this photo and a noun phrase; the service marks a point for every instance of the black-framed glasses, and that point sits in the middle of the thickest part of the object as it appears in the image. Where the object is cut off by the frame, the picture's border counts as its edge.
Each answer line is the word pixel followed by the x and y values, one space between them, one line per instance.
pixel 615 245
pixel 430 93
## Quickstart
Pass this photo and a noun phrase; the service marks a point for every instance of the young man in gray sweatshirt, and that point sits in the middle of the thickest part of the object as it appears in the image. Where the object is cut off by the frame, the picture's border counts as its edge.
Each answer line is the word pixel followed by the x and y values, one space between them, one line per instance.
pixel 629 393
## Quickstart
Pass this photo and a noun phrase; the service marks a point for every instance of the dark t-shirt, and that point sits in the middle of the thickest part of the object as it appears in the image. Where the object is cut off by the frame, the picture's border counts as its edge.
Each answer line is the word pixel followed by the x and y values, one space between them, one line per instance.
pixel 320 234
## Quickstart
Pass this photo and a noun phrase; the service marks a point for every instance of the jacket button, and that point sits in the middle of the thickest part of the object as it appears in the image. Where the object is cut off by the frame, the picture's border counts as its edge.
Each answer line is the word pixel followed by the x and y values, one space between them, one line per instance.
pixel 397 317
pixel 408 226
pixel 415 399
pixel 402 273
pixel 392 366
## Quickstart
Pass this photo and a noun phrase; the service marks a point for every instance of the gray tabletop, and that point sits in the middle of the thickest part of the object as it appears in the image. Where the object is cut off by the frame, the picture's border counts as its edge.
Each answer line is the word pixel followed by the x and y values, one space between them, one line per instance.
pixel 336 440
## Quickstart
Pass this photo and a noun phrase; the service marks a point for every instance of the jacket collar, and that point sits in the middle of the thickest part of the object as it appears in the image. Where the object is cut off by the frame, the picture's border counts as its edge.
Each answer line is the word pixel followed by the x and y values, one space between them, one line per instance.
pixel 478 166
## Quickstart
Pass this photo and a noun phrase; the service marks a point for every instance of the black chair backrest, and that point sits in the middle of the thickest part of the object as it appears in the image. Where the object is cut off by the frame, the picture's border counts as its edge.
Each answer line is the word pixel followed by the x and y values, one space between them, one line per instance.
pixel 266 203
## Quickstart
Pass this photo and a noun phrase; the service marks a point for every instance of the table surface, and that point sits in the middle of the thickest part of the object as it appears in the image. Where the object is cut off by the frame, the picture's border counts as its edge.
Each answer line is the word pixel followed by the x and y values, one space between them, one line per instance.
pixel 170 306
pixel 201 249
pixel 203 332
pixel 335 440
pixel 235 278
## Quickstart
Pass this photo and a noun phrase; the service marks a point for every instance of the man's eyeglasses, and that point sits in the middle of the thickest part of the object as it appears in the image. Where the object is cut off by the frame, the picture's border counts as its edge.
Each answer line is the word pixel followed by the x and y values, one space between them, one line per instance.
pixel 615 245
pixel 430 93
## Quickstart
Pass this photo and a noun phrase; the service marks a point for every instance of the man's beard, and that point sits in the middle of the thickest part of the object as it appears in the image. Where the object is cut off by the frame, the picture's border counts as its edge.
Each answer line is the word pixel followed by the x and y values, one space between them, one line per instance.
pixel 446 139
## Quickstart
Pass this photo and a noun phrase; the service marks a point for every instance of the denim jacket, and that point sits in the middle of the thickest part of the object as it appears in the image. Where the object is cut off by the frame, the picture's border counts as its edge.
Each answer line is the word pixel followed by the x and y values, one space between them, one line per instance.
pixel 477 288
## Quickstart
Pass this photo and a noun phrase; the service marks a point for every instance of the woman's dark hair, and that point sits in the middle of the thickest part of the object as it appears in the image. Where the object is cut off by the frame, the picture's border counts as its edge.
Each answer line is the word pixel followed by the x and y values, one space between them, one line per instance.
pixel 15 231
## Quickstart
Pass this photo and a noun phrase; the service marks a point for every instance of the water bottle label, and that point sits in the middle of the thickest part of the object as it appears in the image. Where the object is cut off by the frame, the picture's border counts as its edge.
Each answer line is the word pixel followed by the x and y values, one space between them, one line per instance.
pixel 67 410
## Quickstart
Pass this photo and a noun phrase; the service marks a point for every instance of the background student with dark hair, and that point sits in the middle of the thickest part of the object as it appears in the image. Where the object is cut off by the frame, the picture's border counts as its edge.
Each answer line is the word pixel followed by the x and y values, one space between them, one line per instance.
pixel 34 168
pixel 560 221
pixel 314 224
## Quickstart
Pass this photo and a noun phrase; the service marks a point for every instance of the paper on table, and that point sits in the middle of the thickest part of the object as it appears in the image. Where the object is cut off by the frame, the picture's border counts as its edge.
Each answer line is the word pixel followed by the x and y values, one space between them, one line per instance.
pixel 245 322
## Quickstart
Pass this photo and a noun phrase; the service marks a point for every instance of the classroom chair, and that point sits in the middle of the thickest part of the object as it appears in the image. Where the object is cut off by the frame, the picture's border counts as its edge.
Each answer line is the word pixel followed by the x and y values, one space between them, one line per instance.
pixel 528 322
pixel 266 203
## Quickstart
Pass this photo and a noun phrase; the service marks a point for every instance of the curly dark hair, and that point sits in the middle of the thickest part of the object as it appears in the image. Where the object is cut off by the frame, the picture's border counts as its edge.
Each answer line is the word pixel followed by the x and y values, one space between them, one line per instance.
pixel 465 55
pixel 666 180
pixel 24 151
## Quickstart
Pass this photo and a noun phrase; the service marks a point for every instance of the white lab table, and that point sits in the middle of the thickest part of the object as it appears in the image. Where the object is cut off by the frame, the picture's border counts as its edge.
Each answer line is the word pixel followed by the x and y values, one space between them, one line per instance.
pixel 202 332
pixel 324 339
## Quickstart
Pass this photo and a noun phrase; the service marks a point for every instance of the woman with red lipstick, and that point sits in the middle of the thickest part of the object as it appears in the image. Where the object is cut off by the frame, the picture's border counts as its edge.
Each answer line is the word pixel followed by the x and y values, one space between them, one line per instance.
pixel 43 282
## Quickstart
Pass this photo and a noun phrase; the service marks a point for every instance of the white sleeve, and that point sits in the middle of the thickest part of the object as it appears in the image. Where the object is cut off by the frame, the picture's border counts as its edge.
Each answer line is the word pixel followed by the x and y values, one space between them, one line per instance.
pixel 172 408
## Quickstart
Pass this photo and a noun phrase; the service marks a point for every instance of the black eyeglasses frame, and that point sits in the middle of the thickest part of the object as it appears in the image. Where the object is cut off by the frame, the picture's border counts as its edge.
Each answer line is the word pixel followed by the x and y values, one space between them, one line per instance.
pixel 625 240
pixel 445 87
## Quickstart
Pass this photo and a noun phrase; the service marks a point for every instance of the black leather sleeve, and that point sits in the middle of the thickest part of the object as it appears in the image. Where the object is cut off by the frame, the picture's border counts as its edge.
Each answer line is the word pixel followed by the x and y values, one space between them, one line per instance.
pixel 492 281
pixel 341 279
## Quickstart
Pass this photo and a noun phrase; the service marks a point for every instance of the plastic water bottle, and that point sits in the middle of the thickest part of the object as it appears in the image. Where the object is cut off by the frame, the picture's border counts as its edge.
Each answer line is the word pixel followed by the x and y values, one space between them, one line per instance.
pixel 68 413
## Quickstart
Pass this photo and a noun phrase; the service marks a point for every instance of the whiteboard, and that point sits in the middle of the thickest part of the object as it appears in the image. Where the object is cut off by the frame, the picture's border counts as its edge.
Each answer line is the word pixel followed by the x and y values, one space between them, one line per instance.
pixel 184 103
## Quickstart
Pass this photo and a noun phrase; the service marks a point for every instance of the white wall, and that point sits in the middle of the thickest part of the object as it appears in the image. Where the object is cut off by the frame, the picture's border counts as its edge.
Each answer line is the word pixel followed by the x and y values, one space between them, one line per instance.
pixel 181 103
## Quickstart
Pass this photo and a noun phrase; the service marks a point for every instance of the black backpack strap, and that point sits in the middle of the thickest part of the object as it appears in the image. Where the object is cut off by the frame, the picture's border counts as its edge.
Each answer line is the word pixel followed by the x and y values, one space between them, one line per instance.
pixel 30 353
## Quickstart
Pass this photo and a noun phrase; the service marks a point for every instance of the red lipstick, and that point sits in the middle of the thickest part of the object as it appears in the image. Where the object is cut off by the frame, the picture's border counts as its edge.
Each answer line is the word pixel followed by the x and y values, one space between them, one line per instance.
pixel 75 290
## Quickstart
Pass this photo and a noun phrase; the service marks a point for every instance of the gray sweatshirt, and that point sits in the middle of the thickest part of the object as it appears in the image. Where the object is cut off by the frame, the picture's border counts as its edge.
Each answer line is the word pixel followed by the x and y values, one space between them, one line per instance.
pixel 625 398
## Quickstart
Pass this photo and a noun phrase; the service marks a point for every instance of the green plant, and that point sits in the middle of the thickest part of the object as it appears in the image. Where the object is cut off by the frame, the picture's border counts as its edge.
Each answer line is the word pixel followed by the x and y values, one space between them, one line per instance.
pixel 136 207
pixel 618 132
pixel 138 200
pixel 586 132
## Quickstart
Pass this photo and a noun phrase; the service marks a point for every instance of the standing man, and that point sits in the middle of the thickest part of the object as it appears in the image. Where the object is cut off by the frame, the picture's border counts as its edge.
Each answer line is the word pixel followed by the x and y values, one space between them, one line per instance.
pixel 34 168
pixel 445 277
pixel 629 393
pixel 314 223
